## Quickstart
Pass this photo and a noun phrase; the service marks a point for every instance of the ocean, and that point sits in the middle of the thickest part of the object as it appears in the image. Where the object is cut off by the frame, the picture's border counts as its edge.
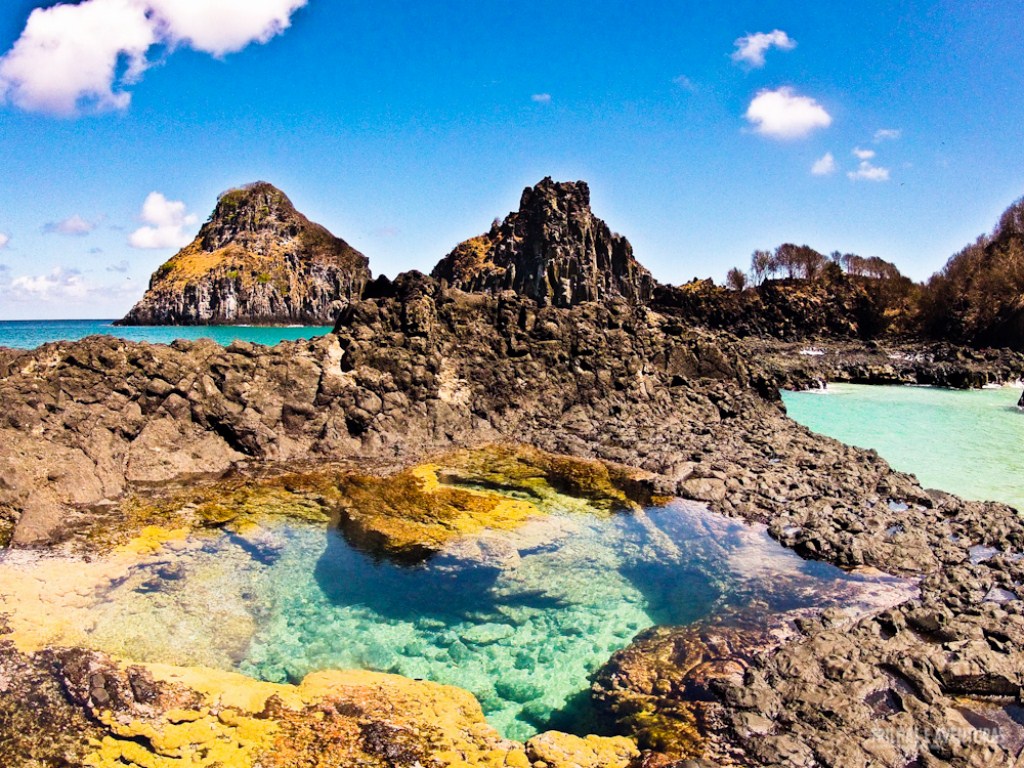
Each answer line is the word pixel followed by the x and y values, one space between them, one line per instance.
pixel 29 334
pixel 967 442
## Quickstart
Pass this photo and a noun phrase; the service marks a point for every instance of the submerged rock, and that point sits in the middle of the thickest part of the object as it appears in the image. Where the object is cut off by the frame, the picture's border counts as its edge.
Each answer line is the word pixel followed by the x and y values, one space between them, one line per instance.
pixel 560 750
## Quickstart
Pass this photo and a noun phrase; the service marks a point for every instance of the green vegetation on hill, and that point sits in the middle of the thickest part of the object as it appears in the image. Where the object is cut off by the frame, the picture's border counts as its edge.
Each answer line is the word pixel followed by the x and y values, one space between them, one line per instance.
pixel 977 299
pixel 796 292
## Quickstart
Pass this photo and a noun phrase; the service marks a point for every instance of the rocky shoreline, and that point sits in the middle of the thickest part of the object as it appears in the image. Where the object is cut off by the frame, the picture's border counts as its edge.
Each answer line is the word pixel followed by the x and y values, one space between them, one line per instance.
pixel 425 369
pixel 418 368
pixel 813 363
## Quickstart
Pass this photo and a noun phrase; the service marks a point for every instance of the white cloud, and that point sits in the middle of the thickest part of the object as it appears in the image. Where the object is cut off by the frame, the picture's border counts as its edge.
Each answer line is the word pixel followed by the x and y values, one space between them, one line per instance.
pixel 825 165
pixel 868 172
pixel 863 154
pixel 59 283
pixel 782 114
pixel 68 54
pixel 541 98
pixel 165 224
pixel 222 26
pixel 685 83
pixel 71 57
pixel 750 49
pixel 4 240
pixel 73 226
pixel 887 134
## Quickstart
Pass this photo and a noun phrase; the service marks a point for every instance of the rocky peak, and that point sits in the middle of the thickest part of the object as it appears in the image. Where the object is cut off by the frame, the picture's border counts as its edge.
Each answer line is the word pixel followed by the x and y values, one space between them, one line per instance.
pixel 553 249
pixel 250 213
pixel 255 260
pixel 259 217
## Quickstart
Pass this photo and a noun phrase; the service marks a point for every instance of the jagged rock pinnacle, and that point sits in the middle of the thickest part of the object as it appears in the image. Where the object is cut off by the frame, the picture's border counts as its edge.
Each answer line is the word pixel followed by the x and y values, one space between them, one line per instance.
pixel 553 249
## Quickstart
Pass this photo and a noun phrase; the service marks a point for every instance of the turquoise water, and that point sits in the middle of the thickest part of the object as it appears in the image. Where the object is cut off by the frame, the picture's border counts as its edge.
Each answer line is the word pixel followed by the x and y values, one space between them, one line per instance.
pixel 29 334
pixel 970 443
pixel 520 619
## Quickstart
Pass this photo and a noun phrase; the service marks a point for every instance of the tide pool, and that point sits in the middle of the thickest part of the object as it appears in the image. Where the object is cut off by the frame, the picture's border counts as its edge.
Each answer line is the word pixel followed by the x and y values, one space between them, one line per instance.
pixel 970 443
pixel 29 334
pixel 521 619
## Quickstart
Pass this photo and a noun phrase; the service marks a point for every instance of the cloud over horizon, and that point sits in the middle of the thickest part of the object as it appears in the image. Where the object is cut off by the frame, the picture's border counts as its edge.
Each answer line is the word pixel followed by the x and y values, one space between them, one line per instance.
pixel 74 57
pixel 58 283
pixel 782 114
pixel 4 240
pixel 165 222
pixel 751 49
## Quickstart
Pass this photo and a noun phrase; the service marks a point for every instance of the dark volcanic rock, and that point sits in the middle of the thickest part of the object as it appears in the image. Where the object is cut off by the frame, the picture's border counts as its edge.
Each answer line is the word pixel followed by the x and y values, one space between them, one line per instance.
pixel 843 308
pixel 257 260
pixel 812 364
pixel 553 249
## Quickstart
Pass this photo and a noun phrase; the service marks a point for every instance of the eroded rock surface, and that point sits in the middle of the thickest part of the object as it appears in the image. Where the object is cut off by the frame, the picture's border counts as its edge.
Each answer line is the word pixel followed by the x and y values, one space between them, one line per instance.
pixel 90 710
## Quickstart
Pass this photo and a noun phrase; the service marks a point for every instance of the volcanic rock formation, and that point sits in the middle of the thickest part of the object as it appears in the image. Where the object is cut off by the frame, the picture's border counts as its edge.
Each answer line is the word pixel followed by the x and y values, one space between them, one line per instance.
pixel 257 260
pixel 553 249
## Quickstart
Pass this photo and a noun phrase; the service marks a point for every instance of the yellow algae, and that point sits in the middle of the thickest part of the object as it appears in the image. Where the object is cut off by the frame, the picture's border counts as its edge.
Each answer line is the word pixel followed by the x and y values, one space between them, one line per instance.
pixel 151 540
pixel 554 749
pixel 227 690
pixel 420 510
pixel 205 742
pixel 410 513
pixel 331 718
pixel 427 475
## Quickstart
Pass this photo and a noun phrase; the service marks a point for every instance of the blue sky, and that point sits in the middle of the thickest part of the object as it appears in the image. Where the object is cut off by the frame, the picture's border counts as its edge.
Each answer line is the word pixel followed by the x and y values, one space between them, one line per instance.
pixel 405 128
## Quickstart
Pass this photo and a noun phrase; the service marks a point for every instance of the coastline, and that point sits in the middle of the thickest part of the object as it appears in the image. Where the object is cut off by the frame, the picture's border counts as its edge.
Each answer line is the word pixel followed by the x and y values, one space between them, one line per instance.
pixel 429 369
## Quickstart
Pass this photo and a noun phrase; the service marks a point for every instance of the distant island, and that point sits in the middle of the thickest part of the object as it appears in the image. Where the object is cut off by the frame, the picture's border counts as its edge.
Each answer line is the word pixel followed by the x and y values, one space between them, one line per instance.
pixel 256 261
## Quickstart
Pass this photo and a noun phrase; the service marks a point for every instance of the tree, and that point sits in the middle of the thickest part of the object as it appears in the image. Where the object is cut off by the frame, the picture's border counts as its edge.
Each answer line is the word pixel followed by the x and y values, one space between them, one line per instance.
pixel 736 279
pixel 760 265
pixel 799 261
pixel 1011 222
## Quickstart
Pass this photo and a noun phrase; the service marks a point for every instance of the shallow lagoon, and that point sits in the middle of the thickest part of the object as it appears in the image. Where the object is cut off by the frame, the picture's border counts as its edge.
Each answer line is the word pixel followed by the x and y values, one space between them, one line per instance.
pixel 964 442
pixel 520 619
